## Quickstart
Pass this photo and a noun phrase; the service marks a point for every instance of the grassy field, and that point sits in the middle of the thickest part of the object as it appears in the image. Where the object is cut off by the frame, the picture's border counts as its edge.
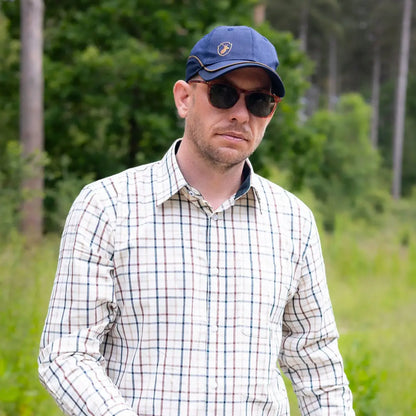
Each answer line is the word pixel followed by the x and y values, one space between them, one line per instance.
pixel 372 279
pixel 26 279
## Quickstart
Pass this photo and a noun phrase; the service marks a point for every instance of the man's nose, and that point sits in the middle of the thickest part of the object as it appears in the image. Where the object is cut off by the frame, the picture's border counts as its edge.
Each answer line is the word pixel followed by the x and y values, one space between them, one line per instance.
pixel 239 110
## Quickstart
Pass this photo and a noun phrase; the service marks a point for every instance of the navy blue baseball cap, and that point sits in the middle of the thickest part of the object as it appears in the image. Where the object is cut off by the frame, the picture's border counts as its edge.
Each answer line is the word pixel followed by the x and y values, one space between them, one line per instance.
pixel 227 48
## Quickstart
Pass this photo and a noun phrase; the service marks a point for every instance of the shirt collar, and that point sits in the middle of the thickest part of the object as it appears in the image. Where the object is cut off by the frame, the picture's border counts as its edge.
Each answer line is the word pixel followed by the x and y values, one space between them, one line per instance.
pixel 170 179
pixel 251 181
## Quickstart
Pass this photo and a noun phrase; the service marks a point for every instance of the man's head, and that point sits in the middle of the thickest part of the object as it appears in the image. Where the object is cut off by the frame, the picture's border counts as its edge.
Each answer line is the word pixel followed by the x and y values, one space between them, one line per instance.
pixel 229 96
pixel 227 48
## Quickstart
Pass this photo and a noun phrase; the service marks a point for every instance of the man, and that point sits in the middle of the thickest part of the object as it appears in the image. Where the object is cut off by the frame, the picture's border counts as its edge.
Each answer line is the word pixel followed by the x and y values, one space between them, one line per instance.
pixel 183 283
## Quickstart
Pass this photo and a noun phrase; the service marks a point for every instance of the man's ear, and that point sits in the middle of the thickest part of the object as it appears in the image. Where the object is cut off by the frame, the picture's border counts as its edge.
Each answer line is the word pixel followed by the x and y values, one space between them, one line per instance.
pixel 182 93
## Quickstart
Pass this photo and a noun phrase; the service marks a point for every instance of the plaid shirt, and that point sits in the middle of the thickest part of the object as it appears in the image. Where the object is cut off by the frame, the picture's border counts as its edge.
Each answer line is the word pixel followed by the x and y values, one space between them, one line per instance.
pixel 163 307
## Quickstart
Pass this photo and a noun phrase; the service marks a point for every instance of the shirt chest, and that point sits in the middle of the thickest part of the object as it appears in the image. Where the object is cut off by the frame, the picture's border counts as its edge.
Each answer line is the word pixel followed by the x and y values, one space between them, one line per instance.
pixel 176 260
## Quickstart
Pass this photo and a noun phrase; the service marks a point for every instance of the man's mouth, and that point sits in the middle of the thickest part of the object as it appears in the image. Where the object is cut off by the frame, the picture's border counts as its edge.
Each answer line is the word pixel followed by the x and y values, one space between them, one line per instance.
pixel 233 135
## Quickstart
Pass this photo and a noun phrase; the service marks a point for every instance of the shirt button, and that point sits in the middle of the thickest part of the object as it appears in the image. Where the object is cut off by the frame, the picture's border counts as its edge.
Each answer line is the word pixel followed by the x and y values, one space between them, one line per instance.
pixel 213 385
pixel 215 217
pixel 245 331
pixel 214 271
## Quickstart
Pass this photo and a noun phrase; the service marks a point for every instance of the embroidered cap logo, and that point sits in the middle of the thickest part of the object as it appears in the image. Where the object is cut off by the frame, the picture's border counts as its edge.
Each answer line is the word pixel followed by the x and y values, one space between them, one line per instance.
pixel 224 48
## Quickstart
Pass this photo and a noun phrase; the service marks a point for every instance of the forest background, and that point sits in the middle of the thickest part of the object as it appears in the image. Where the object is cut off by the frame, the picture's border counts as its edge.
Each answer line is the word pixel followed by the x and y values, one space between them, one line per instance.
pixel 108 70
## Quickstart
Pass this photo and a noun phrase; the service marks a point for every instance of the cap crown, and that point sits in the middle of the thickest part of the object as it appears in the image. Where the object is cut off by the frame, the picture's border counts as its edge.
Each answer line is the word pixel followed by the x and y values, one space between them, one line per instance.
pixel 238 43
pixel 230 47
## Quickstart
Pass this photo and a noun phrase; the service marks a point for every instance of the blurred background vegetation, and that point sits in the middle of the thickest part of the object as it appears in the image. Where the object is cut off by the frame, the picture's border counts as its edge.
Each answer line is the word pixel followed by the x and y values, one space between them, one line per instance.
pixel 109 67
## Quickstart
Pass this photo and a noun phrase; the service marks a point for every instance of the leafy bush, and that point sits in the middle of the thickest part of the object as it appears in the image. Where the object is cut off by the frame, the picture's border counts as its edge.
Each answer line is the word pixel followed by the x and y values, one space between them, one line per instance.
pixel 11 173
pixel 350 177
pixel 60 198
pixel 363 378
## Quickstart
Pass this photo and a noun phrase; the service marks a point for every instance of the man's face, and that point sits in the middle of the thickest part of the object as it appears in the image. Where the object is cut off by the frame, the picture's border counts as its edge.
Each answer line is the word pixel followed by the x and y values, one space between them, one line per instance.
pixel 225 137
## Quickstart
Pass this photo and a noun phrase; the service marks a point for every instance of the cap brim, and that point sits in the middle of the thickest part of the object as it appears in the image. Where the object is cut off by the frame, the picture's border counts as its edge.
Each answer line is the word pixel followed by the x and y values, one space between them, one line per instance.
pixel 209 73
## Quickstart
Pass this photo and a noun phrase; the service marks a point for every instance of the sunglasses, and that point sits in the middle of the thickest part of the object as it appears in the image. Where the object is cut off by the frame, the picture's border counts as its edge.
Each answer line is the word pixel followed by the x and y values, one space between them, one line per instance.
pixel 258 103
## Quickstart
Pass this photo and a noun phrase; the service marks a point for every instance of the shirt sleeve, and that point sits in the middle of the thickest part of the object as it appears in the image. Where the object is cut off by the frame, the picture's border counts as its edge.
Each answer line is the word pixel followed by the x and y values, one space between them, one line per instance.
pixel 82 310
pixel 309 355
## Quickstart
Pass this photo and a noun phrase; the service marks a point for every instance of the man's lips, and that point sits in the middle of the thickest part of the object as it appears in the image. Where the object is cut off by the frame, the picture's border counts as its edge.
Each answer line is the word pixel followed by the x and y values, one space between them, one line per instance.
pixel 233 135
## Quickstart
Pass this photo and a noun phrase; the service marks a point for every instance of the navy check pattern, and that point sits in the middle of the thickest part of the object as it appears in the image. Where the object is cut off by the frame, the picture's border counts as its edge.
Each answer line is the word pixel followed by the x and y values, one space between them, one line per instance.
pixel 161 306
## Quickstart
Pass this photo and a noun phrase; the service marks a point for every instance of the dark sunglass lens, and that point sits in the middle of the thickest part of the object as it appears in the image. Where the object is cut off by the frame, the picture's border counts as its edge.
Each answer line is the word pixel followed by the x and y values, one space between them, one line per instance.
pixel 223 96
pixel 260 104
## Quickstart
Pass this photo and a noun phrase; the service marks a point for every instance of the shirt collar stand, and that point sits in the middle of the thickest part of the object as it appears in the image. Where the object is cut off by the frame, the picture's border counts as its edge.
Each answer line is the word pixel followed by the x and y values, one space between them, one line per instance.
pixel 170 179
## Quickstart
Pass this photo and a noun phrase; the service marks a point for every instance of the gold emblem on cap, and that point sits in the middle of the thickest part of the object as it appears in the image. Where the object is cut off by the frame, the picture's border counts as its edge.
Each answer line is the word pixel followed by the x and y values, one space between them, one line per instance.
pixel 224 48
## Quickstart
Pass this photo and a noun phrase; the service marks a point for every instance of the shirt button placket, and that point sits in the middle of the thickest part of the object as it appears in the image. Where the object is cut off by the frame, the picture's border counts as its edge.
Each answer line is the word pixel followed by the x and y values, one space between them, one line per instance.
pixel 214 371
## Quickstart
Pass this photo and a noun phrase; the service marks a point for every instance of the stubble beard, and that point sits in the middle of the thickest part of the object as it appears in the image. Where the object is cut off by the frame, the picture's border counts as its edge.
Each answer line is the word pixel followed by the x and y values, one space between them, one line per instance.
pixel 220 158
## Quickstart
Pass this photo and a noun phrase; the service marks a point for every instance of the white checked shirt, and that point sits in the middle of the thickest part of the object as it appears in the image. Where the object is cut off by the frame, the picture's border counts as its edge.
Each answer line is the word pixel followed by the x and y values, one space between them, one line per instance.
pixel 163 307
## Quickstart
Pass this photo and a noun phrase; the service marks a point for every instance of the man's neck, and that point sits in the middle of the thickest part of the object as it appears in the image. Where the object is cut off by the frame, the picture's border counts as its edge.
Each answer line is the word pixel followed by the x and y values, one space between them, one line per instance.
pixel 216 183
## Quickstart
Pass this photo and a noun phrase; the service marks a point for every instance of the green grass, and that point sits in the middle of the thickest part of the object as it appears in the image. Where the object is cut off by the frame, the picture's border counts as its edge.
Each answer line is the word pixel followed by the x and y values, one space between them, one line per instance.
pixel 372 278
pixel 26 279
pixel 371 274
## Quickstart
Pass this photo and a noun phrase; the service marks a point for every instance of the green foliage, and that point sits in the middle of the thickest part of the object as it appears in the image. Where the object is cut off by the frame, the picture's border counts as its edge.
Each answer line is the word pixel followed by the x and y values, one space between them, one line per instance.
pixel 364 380
pixel 287 142
pixel 386 132
pixel 25 286
pixel 104 105
pixel 372 281
pixel 9 82
pixel 14 168
pixel 59 199
pixel 373 285
pixel 409 145
pixel 11 174
pixel 109 88
pixel 11 165
pixel 109 69
pixel 349 177
pixel 366 31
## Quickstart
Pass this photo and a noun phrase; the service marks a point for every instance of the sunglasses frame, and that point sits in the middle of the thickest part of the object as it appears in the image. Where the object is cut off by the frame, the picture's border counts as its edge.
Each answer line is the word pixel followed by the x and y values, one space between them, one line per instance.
pixel 240 91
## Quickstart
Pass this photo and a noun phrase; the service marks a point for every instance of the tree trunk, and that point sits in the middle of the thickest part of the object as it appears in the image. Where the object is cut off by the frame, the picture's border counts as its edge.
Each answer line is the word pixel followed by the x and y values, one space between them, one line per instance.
pixel 332 76
pixel 259 13
pixel 400 111
pixel 375 95
pixel 31 115
pixel 304 24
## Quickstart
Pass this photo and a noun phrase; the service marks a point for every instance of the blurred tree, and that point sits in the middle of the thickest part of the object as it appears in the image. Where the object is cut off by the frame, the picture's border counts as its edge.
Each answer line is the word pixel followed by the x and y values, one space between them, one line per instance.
pixel 10 152
pixel 318 25
pixel 109 71
pixel 9 83
pixel 349 176
pixel 367 60
pixel 371 52
pixel 110 68
pixel 409 143
pixel 400 109
pixel 31 115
